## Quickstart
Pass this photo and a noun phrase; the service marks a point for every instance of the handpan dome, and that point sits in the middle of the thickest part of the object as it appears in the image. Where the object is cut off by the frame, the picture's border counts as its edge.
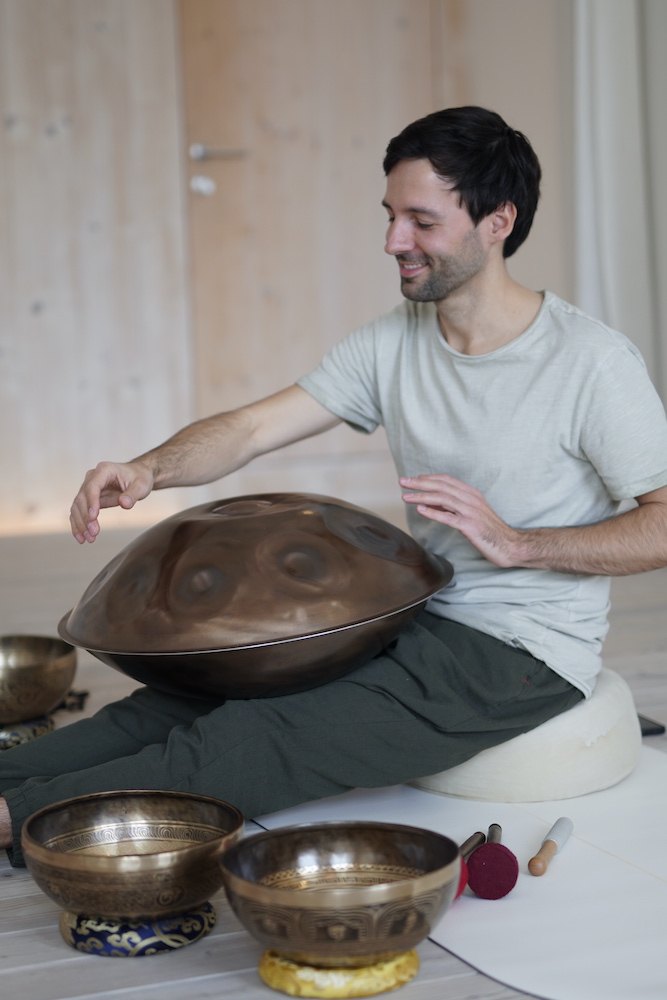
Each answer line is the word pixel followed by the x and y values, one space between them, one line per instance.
pixel 254 595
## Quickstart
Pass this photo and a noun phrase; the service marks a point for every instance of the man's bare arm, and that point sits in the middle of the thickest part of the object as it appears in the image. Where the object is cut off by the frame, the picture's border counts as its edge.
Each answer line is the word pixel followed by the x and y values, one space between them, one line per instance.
pixel 200 453
pixel 632 542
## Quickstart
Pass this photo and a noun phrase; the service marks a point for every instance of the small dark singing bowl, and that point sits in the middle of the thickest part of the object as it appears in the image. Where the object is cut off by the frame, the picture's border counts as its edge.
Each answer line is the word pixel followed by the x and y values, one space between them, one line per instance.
pixel 130 855
pixel 36 673
pixel 255 596
pixel 341 894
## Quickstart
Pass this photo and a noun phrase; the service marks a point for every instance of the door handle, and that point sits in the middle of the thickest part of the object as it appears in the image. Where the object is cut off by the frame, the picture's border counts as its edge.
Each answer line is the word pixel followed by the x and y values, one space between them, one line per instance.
pixel 198 151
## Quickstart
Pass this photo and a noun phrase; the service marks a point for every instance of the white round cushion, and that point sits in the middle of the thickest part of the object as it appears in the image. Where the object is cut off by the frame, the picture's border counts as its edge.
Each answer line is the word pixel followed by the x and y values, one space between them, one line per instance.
pixel 591 746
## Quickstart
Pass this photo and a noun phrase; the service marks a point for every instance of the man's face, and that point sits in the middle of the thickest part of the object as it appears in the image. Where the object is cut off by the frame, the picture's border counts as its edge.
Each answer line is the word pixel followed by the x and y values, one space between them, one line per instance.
pixel 430 234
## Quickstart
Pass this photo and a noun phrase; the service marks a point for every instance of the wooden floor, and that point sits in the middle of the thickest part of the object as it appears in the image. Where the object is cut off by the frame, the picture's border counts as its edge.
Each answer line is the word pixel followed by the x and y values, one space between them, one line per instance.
pixel 41 577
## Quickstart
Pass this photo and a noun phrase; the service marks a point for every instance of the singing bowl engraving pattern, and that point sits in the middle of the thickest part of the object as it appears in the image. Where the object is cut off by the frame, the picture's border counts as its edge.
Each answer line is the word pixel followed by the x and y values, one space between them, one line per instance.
pixel 343 874
pixel 323 926
pixel 133 838
pixel 255 595
pixel 388 928
pixel 148 894
pixel 130 854
pixel 135 939
pixel 331 909
pixel 36 673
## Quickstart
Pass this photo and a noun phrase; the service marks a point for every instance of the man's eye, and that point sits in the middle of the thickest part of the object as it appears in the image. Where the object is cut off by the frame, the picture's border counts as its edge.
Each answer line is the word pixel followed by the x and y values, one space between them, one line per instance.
pixel 425 225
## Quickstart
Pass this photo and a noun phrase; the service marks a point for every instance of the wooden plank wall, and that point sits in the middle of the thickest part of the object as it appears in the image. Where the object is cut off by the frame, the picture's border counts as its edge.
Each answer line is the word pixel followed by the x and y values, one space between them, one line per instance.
pixel 94 348
pixel 97 353
pixel 287 252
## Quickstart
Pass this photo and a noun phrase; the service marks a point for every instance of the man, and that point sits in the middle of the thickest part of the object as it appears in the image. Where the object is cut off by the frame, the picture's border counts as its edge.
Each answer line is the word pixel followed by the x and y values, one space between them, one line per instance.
pixel 518 427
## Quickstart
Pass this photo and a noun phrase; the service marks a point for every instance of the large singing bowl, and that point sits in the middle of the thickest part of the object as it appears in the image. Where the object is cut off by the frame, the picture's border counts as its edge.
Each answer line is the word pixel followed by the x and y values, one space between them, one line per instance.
pixel 341 894
pixel 254 596
pixel 130 854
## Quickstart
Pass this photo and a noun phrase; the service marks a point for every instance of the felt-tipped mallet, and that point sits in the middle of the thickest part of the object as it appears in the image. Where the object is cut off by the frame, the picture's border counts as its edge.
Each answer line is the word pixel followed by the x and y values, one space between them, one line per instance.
pixel 466 849
pixel 556 838
pixel 492 868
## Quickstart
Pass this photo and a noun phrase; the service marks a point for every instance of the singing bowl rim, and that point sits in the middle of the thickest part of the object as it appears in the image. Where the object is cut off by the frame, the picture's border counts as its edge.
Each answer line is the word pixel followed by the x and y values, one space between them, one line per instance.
pixel 65 635
pixel 131 864
pixel 337 896
pixel 64 645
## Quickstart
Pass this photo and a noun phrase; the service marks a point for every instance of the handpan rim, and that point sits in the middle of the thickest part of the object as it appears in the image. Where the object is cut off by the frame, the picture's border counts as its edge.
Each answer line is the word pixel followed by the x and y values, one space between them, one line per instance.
pixel 64 634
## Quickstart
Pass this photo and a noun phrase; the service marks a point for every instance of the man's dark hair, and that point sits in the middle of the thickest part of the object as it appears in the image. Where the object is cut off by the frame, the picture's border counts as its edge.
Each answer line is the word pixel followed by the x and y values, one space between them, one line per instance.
pixel 488 163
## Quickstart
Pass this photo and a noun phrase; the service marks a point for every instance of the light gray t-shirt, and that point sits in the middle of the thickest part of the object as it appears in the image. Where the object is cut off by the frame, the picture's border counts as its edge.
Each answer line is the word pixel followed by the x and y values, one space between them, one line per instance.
pixel 556 428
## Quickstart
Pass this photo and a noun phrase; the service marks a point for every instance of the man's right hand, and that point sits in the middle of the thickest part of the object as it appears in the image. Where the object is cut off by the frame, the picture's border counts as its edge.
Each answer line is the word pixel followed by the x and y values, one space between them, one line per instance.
pixel 109 484
pixel 202 452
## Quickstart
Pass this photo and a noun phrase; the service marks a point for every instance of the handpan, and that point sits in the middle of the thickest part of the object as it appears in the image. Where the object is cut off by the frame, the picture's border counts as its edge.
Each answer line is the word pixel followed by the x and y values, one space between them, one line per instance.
pixel 254 596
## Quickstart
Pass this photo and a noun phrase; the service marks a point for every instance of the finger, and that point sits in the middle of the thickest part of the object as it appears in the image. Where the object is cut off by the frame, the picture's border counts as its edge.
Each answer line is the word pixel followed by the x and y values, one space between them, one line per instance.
pixel 122 484
pixel 439 499
pixel 93 495
pixel 440 514
pixel 79 516
pixel 92 531
pixel 442 488
pixel 85 528
pixel 79 536
pixel 432 481
pixel 442 500
pixel 126 501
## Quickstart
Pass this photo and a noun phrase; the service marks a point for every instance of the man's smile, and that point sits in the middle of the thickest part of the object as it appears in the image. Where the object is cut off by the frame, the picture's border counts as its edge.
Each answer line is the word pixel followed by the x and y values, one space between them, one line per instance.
pixel 408 268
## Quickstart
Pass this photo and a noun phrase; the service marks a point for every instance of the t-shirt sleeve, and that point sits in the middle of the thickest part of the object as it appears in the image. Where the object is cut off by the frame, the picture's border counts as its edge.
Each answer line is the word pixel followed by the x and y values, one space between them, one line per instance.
pixel 345 381
pixel 624 433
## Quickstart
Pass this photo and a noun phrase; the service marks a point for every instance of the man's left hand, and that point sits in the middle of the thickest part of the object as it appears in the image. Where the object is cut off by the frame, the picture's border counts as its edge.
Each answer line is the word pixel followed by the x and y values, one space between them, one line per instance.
pixel 634 541
pixel 458 505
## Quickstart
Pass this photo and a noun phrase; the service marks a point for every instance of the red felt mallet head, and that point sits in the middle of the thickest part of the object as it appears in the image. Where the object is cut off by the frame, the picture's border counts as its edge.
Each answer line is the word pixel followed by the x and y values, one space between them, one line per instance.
pixel 492 869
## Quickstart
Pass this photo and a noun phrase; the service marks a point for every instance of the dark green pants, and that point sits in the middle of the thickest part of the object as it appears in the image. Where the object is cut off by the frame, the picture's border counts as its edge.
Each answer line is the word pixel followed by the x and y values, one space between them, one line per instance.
pixel 436 696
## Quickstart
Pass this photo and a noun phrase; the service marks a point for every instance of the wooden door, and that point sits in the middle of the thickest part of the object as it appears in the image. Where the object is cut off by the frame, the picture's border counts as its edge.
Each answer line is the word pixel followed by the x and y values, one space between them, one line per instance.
pixel 294 102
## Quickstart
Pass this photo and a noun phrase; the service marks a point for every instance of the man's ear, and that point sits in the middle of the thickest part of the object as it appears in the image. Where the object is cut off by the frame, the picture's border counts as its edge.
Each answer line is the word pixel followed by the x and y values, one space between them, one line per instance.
pixel 501 221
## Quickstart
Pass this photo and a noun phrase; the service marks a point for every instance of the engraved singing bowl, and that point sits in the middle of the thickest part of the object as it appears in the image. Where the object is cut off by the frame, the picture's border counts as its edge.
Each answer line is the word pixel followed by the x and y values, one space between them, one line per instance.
pixel 255 595
pixel 35 675
pixel 130 855
pixel 342 894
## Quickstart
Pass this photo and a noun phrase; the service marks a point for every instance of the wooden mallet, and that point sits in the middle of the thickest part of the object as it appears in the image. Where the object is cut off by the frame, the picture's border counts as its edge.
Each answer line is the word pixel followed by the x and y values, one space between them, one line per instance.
pixel 552 843
pixel 492 868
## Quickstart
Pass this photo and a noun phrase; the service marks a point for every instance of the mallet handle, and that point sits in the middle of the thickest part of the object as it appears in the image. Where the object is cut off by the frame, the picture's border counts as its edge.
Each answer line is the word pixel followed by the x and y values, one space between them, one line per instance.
pixel 552 843
pixel 469 845
pixel 494 834
pixel 539 864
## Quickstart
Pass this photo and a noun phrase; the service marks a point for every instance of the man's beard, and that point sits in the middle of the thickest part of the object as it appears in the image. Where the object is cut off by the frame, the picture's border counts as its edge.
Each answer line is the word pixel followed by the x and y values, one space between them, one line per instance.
pixel 447 274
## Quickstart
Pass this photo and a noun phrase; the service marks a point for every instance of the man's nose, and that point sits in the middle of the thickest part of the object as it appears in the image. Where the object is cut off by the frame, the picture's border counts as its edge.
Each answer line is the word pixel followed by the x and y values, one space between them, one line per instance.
pixel 398 239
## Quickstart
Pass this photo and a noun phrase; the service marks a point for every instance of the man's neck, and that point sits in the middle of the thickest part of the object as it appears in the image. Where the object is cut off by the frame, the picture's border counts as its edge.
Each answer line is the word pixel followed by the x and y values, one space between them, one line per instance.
pixel 479 320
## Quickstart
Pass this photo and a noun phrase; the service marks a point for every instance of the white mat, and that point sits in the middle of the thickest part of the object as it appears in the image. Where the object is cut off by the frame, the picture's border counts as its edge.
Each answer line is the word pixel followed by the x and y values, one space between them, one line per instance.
pixel 593 927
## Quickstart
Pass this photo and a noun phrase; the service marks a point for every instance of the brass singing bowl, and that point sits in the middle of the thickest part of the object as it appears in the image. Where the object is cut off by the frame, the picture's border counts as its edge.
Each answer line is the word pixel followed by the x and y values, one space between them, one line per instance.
pixel 341 894
pixel 255 595
pixel 130 855
pixel 36 673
